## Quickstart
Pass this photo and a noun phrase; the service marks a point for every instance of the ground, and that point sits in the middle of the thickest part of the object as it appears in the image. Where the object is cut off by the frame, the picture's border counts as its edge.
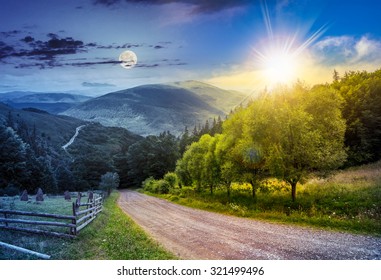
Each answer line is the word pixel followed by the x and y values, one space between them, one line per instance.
pixel 196 234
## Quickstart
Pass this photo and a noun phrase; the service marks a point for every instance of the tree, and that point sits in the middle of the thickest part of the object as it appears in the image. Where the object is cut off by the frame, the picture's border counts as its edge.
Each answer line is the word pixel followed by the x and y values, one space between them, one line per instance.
pixel 13 158
pixel 335 76
pixel 239 148
pixel 361 92
pixel 299 131
pixel 153 156
pixel 65 178
pixel 109 181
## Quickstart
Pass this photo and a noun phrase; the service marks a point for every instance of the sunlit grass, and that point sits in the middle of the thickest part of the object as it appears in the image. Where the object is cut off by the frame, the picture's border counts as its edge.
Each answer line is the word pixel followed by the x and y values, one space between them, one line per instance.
pixel 349 200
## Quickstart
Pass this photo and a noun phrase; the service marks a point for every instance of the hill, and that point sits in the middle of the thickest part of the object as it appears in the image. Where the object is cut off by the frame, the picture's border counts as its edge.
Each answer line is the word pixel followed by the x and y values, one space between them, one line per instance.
pixel 96 150
pixel 57 130
pixel 51 102
pixel 152 109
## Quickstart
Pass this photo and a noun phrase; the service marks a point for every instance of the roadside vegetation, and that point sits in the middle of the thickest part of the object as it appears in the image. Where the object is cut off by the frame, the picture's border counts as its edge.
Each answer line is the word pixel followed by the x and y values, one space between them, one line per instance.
pixel 349 200
pixel 111 236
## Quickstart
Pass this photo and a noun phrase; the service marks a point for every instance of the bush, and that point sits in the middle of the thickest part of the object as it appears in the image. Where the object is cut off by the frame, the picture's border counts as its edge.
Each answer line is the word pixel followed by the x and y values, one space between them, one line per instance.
pixel 156 186
pixel 162 186
pixel 149 184
pixel 172 179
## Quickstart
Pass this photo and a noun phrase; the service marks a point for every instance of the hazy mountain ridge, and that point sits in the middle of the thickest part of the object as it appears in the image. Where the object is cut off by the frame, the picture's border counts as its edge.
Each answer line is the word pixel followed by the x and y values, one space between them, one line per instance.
pixel 53 103
pixel 152 109
pixel 57 129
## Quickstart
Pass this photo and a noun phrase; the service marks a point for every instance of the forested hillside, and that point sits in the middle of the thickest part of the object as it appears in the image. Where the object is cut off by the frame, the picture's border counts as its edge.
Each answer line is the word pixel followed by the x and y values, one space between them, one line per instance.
pixel 290 133
pixel 32 154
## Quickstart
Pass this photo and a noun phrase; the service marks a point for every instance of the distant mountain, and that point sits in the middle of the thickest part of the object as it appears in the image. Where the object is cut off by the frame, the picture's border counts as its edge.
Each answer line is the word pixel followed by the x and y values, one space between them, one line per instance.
pixel 53 103
pixel 152 109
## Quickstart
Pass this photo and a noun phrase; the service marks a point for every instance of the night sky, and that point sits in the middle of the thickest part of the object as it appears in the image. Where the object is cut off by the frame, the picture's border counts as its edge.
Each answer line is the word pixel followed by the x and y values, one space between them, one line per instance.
pixel 73 45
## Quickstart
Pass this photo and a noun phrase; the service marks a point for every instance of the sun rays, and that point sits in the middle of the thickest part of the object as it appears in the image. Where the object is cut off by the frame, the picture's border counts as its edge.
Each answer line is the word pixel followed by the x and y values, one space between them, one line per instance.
pixel 279 58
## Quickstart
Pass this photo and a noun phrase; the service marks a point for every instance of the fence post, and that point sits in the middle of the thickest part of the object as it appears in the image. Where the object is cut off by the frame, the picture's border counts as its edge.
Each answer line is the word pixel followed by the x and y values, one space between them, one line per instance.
pixel 5 216
pixel 73 230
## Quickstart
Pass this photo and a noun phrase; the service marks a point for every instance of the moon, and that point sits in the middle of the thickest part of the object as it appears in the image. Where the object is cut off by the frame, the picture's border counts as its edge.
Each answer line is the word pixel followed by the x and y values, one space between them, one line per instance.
pixel 128 59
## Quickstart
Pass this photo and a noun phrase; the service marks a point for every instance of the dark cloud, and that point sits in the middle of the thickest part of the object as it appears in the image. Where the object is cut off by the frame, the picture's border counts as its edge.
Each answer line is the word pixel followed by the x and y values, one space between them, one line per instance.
pixel 55 52
pixel 124 46
pixel 44 50
pixel 89 84
pixel 7 34
pixel 5 50
pixel 27 39
pixel 200 6
pixel 107 2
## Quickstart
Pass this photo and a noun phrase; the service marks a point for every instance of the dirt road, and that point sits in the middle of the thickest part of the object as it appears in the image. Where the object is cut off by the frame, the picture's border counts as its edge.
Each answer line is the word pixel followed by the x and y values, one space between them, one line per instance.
pixel 196 234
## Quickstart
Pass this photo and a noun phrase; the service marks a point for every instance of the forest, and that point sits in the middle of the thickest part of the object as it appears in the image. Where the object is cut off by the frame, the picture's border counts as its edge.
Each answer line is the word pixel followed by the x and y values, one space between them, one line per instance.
pixel 287 133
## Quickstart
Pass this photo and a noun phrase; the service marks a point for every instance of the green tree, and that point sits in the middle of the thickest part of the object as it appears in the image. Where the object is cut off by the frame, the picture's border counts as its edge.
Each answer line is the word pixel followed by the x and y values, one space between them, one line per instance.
pixel 361 92
pixel 109 182
pixel 300 130
pixel 239 147
pixel 13 158
pixel 153 156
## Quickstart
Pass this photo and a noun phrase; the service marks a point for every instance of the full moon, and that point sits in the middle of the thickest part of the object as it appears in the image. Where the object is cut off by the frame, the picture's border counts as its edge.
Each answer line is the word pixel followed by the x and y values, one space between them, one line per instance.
pixel 128 59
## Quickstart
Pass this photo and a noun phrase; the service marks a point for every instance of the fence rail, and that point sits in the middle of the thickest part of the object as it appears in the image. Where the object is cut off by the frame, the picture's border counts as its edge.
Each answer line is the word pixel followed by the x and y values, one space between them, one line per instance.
pixel 75 222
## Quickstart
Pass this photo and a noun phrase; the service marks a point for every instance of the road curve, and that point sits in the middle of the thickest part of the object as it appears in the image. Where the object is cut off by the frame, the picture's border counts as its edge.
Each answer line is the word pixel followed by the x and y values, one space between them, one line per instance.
pixel 71 141
pixel 196 234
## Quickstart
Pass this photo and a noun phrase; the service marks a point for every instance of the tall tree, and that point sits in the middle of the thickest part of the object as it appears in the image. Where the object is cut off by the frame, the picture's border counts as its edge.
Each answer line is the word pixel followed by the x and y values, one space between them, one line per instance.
pixel 300 130
pixel 13 158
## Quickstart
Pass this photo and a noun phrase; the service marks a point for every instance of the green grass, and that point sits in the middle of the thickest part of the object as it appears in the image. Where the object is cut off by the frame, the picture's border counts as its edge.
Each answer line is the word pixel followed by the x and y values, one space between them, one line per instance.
pixel 111 236
pixel 349 201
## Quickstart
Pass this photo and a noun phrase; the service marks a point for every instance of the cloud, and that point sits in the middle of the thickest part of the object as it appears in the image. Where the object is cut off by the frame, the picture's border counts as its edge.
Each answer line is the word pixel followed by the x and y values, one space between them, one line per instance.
pixel 89 84
pixel 27 39
pixel 348 50
pixel 198 6
pixel 5 50
pixel 55 51
pixel 7 34
pixel 43 50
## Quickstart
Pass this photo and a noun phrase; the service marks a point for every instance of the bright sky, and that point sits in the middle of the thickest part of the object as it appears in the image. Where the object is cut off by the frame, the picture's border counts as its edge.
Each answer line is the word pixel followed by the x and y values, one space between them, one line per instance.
pixel 74 45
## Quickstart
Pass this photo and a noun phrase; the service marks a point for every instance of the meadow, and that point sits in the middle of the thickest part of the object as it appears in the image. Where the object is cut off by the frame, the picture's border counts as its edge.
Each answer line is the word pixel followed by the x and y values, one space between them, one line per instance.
pixel 348 200
pixel 111 236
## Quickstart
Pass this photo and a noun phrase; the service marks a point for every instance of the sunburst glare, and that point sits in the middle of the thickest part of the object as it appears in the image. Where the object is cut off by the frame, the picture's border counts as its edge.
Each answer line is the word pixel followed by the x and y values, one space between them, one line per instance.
pixel 281 56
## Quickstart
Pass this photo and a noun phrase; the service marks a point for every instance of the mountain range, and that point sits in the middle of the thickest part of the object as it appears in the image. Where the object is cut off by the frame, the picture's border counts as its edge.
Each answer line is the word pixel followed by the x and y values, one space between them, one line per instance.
pixel 53 103
pixel 152 109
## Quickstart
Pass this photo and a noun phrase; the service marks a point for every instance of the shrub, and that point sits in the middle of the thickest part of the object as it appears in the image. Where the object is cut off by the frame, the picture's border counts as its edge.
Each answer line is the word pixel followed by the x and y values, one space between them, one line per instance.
pixel 162 186
pixel 172 179
pixel 149 184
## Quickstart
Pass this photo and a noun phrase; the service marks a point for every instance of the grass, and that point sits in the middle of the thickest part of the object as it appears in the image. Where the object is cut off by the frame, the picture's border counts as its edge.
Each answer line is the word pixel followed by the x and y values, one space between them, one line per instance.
pixel 111 236
pixel 349 200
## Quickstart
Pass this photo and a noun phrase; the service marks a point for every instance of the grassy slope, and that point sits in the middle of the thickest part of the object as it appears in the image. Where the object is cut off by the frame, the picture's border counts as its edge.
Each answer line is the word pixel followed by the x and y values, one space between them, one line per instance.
pixel 350 201
pixel 111 236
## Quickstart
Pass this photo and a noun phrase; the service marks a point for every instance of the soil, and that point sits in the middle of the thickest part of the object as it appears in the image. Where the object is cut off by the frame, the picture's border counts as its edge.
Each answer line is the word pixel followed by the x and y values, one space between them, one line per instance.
pixel 197 234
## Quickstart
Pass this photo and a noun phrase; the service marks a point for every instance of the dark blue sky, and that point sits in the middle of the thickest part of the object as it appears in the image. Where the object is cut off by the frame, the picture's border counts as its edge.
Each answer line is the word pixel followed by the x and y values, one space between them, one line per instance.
pixel 73 45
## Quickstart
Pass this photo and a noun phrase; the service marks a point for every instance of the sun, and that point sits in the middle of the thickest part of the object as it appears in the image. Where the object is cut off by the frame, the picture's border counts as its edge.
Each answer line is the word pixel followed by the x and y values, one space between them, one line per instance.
pixel 281 57
pixel 279 67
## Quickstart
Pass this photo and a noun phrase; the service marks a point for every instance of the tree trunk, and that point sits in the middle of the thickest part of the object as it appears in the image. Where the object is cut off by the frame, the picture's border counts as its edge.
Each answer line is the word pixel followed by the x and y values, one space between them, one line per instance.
pixel 293 190
pixel 211 189
pixel 254 188
pixel 228 189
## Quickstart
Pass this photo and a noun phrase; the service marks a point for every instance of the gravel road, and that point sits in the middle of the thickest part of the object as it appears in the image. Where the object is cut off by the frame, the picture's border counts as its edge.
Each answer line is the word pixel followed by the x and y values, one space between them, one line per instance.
pixel 197 234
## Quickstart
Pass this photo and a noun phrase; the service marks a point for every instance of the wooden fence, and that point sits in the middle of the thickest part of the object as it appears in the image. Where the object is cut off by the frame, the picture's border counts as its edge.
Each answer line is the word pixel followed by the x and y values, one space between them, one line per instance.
pixel 83 214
